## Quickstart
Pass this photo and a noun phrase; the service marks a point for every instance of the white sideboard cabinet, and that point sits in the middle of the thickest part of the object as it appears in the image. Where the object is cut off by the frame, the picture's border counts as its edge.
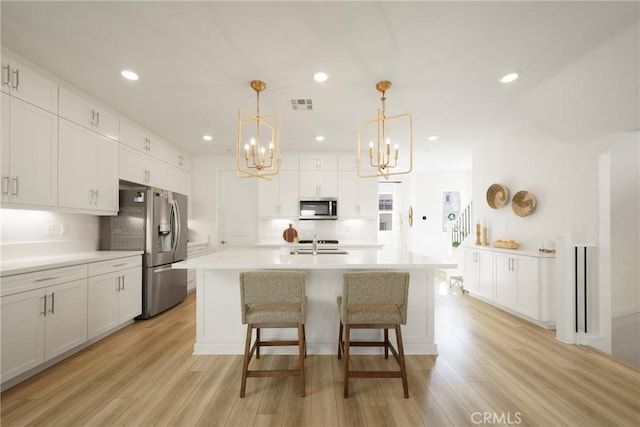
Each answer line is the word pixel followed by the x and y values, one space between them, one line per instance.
pixel 517 281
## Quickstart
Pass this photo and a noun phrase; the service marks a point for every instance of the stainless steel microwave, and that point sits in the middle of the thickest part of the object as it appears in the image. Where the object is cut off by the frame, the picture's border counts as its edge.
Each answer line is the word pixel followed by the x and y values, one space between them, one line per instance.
pixel 322 208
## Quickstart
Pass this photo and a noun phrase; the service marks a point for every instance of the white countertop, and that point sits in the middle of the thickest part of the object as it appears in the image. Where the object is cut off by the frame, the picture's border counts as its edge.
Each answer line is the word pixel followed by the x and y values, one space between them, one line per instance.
pixel 29 265
pixel 232 259
pixel 524 252
pixel 339 245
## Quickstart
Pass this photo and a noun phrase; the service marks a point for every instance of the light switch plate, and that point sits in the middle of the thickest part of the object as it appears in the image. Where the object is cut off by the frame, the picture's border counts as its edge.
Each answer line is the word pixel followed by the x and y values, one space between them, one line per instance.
pixel 50 230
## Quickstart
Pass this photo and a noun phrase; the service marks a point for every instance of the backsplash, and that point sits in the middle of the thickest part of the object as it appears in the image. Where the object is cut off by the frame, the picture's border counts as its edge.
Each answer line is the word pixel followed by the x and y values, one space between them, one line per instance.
pixel 346 231
pixel 28 233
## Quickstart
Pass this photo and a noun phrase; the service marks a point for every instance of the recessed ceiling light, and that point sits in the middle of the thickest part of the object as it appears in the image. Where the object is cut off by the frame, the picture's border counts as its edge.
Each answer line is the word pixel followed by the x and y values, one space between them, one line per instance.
pixel 320 76
pixel 207 137
pixel 433 137
pixel 509 78
pixel 129 75
pixel 319 138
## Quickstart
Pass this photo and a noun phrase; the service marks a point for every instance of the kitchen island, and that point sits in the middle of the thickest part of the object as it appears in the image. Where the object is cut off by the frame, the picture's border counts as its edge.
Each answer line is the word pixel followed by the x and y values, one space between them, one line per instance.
pixel 218 323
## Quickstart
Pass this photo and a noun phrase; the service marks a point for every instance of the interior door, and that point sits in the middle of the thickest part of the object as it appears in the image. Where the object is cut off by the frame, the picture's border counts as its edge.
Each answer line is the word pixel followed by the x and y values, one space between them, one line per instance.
pixel 237 210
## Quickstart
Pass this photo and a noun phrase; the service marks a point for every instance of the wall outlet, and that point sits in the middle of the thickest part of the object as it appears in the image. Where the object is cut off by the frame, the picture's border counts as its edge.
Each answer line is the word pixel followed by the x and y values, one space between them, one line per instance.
pixel 50 230
pixel 64 229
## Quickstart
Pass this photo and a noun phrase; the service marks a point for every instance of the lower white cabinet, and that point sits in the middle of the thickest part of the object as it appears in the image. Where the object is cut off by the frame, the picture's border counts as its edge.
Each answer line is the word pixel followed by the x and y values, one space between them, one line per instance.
pixel 113 298
pixel 519 283
pixel 41 324
pixel 479 273
pixel 50 312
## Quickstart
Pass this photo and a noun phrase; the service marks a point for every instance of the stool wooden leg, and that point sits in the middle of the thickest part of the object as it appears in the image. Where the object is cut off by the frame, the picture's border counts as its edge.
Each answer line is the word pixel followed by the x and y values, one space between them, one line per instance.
pixel 340 340
pixel 304 340
pixel 403 368
pixel 257 343
pixel 346 360
pixel 245 361
pixel 386 343
pixel 301 356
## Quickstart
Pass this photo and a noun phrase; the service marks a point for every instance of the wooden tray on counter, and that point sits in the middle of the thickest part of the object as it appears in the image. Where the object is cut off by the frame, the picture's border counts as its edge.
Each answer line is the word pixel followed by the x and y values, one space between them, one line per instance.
pixel 506 245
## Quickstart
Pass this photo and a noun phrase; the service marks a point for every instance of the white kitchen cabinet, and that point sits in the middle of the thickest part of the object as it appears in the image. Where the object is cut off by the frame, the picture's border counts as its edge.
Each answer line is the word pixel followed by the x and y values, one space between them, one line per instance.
pixel 114 297
pixel 278 197
pixel 88 165
pixel 357 197
pixel 517 283
pixel 29 154
pixel 318 184
pixel 325 162
pixel 21 82
pixel 177 158
pixel 141 169
pixel 44 315
pixel 22 317
pixel 142 140
pixel 178 180
pixel 88 114
pixel 479 272
pixel 65 318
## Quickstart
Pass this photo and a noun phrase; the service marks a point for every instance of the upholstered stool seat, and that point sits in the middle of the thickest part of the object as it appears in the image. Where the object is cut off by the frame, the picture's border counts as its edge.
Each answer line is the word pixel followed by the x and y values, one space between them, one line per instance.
pixel 373 300
pixel 272 299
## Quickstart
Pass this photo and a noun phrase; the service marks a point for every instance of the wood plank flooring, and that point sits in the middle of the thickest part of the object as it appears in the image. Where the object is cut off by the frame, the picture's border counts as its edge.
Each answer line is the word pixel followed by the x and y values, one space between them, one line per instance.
pixel 492 369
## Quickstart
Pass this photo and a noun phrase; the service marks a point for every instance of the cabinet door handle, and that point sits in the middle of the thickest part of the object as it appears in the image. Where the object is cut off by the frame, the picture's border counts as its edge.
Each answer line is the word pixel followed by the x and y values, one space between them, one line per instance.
pixel 16 81
pixel 122 283
pixel 117 284
pixel 97 118
pixel 44 313
pixel 15 186
pixel 97 197
pixel 5 185
pixel 45 279
pixel 8 79
pixel 53 302
pixel 119 265
pixel 180 160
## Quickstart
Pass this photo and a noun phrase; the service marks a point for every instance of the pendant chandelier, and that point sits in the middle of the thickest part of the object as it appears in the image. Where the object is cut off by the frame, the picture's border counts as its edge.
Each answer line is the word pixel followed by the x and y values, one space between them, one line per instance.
pixel 258 144
pixel 389 138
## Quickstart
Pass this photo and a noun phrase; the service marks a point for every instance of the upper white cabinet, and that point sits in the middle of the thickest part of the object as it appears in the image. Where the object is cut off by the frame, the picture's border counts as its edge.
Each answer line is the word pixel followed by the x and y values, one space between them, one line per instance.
pixel 88 114
pixel 178 180
pixel 142 140
pixel 29 154
pixel 357 197
pixel 88 164
pixel 20 82
pixel 141 169
pixel 177 158
pixel 318 184
pixel 325 162
pixel 278 197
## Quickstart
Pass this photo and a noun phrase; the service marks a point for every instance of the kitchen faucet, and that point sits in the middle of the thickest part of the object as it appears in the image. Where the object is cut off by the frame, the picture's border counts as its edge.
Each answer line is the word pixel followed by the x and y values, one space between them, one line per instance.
pixel 314 244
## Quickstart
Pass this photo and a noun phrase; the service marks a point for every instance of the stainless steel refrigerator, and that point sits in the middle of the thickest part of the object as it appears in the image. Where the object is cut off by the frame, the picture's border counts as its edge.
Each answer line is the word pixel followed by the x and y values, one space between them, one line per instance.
pixel 153 221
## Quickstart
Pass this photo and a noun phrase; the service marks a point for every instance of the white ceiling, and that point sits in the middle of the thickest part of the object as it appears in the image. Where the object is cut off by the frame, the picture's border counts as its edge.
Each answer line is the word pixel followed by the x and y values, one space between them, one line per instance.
pixel 195 61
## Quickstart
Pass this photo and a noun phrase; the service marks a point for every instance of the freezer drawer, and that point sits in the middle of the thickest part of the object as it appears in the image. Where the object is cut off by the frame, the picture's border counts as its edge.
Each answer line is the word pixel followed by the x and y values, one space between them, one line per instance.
pixel 162 288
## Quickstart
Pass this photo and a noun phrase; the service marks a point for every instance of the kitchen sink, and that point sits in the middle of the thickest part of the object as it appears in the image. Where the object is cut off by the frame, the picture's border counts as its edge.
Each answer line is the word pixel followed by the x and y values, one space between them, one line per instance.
pixel 322 251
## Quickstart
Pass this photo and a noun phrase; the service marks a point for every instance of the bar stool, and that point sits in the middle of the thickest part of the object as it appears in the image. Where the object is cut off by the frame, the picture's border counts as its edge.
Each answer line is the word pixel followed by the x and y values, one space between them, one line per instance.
pixel 373 300
pixel 272 299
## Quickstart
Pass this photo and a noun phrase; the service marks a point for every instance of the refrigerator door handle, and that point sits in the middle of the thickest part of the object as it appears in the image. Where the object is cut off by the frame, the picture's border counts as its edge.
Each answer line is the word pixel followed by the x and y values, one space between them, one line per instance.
pixel 175 225
pixel 161 270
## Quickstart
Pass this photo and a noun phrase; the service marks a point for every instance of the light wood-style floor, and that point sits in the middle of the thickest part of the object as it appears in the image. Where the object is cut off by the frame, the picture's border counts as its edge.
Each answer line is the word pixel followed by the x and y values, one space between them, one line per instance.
pixel 492 369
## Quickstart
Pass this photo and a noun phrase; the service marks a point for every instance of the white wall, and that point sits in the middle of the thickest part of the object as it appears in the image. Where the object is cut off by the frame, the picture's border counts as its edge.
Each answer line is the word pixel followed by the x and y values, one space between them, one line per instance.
pixel 623 256
pixel 22 233
pixel 563 178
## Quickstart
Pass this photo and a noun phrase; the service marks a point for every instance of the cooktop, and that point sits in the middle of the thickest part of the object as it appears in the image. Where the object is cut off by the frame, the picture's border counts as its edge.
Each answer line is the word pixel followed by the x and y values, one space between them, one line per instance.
pixel 321 242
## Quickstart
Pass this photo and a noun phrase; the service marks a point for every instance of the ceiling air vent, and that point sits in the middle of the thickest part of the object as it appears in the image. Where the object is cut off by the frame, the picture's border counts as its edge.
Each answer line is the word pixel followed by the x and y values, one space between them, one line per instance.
pixel 301 104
